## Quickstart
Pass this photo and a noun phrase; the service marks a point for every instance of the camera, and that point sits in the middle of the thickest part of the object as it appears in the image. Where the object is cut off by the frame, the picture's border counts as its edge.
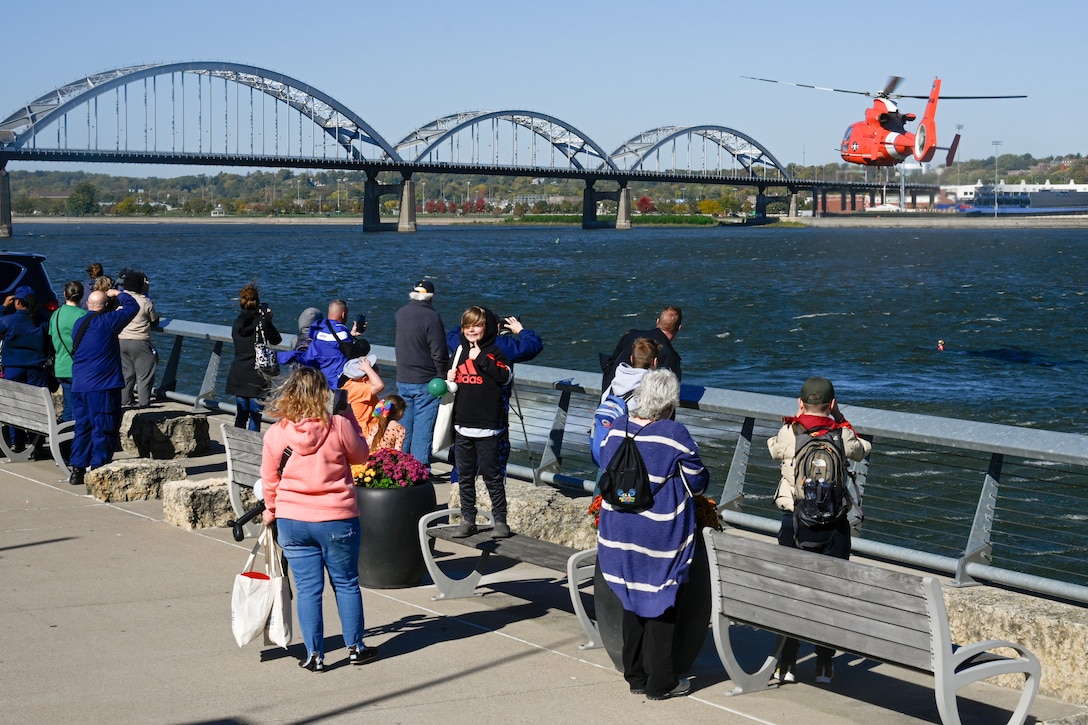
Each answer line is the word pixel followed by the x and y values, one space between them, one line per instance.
pixel 264 308
pixel 503 327
pixel 339 401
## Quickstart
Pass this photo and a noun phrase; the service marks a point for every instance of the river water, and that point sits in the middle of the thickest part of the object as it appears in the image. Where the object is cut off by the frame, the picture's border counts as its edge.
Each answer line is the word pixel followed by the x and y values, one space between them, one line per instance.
pixel 763 308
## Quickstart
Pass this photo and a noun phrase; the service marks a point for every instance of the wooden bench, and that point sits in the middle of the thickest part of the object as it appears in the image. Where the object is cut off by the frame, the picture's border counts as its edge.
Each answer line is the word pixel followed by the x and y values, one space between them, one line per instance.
pixel 31 408
pixel 867 610
pixel 244 449
pixel 577 565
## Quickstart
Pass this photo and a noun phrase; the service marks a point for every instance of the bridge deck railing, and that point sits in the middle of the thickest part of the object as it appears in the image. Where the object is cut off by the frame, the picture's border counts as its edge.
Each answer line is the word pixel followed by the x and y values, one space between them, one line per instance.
pixel 977 501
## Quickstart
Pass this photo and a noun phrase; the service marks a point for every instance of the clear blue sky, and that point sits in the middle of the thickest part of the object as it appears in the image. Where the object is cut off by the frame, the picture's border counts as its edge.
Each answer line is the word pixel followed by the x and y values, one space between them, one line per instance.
pixel 612 69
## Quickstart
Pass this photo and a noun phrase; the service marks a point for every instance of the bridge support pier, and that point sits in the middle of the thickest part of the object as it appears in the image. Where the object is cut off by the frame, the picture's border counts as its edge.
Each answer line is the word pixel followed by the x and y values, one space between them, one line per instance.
pixel 407 220
pixel 591 196
pixel 761 203
pixel 793 205
pixel 372 197
pixel 623 212
pixel 5 202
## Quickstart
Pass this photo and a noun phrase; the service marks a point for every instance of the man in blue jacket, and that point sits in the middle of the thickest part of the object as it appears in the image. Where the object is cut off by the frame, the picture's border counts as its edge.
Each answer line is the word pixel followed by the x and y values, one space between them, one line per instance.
pixel 97 380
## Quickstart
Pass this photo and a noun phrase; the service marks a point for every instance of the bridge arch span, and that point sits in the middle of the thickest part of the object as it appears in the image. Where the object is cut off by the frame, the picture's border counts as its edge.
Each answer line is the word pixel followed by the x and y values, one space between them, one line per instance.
pixel 635 153
pixel 348 130
pixel 560 135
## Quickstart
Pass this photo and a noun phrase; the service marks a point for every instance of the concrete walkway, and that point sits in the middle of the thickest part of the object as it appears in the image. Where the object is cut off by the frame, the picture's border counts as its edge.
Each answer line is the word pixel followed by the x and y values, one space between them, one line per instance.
pixel 110 615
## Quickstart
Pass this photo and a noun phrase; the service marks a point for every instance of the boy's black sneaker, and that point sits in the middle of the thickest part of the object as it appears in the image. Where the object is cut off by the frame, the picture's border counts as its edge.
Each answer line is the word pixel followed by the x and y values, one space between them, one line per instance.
pixel 465 530
pixel 78 477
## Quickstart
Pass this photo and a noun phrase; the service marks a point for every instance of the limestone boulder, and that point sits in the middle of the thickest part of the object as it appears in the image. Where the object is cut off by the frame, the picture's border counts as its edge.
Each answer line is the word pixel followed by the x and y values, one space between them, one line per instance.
pixel 542 512
pixel 165 434
pixel 203 504
pixel 132 480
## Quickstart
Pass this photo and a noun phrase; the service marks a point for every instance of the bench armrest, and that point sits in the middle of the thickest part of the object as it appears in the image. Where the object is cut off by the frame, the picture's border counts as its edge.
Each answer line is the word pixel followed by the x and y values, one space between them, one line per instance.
pixel 974 662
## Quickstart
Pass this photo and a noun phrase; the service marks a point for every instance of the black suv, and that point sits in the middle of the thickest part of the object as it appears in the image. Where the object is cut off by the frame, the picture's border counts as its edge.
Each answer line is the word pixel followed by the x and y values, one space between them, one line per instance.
pixel 26 268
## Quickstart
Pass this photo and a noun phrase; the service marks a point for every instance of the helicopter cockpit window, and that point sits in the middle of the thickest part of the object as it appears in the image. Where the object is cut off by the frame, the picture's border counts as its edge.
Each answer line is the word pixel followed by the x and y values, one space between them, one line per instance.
pixel 846 136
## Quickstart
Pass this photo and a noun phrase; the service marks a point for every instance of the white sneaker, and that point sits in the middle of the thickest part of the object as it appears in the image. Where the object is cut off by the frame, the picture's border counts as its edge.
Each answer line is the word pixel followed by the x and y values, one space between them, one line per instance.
pixel 787 673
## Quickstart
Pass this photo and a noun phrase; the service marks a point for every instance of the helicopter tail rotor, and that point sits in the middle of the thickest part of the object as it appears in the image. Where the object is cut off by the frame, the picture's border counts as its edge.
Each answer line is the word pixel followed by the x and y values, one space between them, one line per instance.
pixel 952 151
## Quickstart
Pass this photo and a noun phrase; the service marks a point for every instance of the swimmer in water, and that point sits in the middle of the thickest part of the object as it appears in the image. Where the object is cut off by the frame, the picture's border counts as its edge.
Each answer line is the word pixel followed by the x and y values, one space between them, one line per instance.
pixel 940 345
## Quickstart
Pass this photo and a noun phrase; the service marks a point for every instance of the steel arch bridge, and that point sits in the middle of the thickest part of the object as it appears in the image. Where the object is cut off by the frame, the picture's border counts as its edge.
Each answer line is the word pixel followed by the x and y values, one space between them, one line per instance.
pixel 637 151
pixel 559 135
pixel 209 113
pixel 346 129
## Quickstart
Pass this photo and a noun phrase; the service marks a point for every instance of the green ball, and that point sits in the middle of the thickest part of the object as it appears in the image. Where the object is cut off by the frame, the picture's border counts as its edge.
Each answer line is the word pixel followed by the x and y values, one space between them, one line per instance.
pixel 437 387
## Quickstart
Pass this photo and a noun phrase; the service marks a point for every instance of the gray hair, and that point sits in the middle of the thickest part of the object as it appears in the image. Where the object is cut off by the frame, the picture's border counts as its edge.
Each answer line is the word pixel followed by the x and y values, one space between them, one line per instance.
pixel 657 396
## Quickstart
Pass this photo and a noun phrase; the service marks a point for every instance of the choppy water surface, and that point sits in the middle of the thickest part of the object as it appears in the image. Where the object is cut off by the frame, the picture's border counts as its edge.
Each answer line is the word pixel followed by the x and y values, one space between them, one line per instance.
pixel 763 308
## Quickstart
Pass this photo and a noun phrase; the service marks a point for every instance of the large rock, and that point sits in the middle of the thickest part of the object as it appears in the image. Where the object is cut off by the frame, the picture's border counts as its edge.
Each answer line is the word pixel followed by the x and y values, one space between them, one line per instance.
pixel 1055 631
pixel 203 504
pixel 132 480
pixel 542 512
pixel 165 434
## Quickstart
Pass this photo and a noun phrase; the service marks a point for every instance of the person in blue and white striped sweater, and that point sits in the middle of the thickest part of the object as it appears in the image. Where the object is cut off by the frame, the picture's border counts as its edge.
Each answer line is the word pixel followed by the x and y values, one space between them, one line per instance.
pixel 646 556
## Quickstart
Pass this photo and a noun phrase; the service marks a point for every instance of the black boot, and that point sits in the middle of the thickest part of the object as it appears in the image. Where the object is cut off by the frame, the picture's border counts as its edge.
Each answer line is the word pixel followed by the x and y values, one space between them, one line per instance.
pixel 78 476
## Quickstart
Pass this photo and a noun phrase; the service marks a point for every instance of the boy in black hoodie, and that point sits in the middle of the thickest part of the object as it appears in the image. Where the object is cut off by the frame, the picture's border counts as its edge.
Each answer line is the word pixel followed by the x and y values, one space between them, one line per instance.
pixel 480 370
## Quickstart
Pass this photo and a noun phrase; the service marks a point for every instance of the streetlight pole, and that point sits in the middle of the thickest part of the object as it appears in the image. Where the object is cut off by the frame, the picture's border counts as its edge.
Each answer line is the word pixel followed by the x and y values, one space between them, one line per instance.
pixel 997 145
pixel 423 207
pixel 337 194
pixel 959 127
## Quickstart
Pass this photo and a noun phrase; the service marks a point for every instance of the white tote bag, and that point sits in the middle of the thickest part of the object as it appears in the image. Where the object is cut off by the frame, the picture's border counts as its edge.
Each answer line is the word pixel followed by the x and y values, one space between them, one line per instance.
pixel 255 592
pixel 280 621
pixel 443 424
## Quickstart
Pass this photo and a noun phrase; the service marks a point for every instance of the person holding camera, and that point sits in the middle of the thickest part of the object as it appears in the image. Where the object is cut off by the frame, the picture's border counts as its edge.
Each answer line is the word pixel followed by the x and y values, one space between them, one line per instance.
pixel 332 344
pixel 308 491
pixel 138 358
pixel 244 381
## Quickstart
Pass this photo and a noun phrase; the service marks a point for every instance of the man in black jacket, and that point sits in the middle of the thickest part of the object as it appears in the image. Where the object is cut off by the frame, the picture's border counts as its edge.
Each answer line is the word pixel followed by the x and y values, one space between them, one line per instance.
pixel 668 327
pixel 421 356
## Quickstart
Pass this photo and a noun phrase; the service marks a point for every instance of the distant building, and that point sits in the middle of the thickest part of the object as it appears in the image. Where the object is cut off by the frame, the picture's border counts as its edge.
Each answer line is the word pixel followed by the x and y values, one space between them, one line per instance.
pixel 219 210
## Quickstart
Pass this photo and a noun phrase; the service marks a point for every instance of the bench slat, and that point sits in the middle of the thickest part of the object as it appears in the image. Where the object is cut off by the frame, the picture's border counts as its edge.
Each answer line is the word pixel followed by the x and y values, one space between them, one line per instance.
pixel 521 548
pixel 903 611
pixel 859 642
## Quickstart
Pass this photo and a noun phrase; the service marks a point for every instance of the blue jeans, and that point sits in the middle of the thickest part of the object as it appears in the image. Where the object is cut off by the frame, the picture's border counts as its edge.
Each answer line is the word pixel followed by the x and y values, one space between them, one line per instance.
pixel 66 391
pixel 247 409
pixel 418 420
pixel 311 549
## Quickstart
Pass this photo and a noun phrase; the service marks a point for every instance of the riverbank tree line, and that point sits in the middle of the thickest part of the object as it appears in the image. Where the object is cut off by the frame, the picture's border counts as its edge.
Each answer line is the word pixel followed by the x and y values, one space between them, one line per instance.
pixel 288 192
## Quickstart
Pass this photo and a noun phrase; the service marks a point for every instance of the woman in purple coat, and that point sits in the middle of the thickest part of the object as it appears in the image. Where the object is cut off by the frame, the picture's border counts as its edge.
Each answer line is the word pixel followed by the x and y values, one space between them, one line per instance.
pixel 646 556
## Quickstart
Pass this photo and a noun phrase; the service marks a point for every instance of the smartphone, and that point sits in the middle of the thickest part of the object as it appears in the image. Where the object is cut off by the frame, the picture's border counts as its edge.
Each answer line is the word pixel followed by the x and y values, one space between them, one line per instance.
pixel 360 323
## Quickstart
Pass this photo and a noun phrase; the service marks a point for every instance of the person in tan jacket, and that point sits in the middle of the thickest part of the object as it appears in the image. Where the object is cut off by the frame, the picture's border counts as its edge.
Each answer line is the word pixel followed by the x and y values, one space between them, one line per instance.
pixel 818 414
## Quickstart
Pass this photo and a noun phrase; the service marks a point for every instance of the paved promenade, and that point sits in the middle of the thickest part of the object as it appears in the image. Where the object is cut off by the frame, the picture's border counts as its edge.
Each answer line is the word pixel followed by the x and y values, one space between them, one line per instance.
pixel 110 615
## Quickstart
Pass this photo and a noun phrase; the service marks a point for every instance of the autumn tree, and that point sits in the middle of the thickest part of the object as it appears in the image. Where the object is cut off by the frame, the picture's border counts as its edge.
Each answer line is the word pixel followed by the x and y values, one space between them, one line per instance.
pixel 644 205
pixel 83 200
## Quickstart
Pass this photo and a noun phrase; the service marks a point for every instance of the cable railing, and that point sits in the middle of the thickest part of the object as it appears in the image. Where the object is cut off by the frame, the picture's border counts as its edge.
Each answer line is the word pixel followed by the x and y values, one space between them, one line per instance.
pixel 979 502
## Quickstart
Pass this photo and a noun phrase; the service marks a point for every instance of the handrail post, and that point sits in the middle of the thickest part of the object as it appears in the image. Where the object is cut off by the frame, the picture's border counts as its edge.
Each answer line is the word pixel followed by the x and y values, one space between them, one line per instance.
pixel 733 489
pixel 552 457
pixel 207 387
pixel 979 548
pixel 169 381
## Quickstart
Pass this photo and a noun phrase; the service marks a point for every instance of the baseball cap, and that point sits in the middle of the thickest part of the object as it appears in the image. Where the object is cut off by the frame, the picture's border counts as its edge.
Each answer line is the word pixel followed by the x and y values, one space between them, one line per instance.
pixel 425 286
pixel 22 292
pixel 817 391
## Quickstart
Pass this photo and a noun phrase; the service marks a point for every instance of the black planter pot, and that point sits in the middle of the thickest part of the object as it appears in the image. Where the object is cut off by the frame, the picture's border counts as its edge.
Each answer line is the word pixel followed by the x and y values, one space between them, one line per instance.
pixel 389 555
pixel 693 608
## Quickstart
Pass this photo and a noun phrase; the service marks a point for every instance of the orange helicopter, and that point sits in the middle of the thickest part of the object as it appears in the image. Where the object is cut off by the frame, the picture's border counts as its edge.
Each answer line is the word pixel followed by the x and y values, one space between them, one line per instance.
pixel 882 138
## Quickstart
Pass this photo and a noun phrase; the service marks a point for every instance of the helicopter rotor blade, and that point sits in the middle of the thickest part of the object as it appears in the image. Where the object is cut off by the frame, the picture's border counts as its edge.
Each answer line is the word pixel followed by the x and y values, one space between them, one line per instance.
pixel 890 86
pixel 806 85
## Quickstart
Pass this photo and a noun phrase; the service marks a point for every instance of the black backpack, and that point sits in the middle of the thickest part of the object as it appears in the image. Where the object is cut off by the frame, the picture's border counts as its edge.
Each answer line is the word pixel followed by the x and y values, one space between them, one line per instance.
pixel 821 496
pixel 625 484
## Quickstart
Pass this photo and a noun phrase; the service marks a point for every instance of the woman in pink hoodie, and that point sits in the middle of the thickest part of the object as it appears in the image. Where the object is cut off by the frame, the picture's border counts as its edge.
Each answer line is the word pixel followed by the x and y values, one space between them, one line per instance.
pixel 312 497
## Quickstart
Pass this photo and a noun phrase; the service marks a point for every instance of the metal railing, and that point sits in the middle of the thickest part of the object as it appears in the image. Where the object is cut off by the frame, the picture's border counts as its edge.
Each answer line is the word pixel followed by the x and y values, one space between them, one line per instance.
pixel 977 501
